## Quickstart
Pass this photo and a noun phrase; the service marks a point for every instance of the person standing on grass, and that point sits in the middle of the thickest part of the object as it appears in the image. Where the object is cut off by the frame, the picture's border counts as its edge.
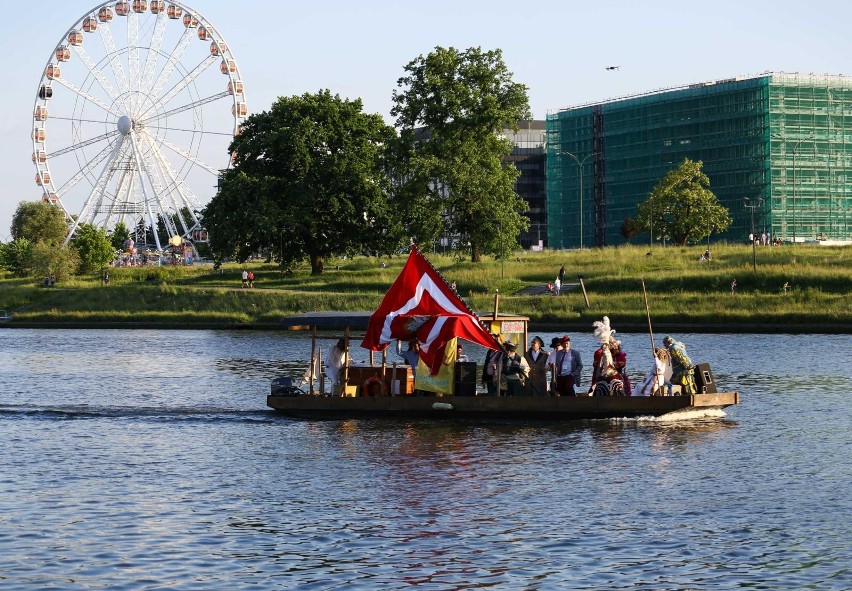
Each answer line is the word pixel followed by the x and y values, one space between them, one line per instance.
pixel 251 279
pixel 245 278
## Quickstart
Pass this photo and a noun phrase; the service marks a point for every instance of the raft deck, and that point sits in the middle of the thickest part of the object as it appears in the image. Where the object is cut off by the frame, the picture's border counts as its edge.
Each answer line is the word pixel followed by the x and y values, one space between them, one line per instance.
pixel 495 408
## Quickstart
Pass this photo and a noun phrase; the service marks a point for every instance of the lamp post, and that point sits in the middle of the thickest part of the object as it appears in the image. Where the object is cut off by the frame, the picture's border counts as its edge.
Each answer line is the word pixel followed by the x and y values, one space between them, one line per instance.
pixel 651 218
pixel 795 186
pixel 580 172
pixel 753 248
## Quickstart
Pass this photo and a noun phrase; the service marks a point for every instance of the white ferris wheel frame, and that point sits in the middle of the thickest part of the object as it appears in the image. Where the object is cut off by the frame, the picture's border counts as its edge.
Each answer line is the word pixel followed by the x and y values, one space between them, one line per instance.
pixel 135 178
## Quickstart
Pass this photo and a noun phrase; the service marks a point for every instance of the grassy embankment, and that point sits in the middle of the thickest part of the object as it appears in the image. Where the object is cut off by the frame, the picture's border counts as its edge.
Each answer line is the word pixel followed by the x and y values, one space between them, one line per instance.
pixel 683 292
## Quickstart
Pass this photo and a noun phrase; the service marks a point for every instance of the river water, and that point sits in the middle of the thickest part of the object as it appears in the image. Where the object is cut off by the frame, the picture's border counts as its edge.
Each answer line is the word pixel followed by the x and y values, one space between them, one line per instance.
pixel 148 460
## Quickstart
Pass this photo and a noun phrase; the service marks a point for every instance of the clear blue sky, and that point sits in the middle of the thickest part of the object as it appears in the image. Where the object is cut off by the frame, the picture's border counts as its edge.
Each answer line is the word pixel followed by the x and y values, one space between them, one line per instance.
pixel 558 48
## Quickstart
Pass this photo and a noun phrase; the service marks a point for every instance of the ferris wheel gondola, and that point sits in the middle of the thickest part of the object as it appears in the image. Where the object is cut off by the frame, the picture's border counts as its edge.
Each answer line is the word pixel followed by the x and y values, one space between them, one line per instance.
pixel 133 117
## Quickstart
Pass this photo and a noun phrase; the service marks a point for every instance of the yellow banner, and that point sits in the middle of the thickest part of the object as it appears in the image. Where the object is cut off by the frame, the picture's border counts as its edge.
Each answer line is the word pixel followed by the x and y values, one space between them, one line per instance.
pixel 442 382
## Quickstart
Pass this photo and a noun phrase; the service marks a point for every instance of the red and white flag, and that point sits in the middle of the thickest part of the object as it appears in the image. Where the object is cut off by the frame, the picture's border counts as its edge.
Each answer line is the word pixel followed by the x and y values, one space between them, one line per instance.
pixel 421 305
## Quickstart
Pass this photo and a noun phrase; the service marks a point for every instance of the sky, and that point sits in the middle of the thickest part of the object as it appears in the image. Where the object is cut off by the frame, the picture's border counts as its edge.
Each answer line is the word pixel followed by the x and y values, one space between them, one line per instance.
pixel 559 49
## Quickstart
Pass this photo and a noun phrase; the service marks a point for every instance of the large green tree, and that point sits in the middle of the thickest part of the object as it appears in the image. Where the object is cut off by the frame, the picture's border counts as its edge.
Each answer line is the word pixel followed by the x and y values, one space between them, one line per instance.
pixel 38 221
pixel 309 180
pixel 455 169
pixel 682 206
pixel 94 248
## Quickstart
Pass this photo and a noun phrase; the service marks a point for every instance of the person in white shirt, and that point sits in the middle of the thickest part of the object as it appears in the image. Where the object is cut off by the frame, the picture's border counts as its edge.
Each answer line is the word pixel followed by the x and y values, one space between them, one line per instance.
pixel 334 361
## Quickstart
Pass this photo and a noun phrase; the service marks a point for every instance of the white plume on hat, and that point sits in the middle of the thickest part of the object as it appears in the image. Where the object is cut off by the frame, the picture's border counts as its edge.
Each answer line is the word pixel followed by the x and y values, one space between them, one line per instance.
pixel 603 331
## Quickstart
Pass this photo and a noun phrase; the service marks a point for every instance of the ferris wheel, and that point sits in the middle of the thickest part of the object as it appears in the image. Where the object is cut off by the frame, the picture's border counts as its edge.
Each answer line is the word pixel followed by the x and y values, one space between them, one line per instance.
pixel 133 117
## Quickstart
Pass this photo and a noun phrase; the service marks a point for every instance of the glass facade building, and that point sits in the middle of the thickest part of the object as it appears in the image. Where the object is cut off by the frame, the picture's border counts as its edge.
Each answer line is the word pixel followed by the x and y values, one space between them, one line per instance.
pixel 528 155
pixel 784 141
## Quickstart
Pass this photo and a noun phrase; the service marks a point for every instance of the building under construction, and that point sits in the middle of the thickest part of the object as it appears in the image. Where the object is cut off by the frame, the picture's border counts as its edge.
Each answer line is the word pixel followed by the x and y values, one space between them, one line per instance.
pixel 784 141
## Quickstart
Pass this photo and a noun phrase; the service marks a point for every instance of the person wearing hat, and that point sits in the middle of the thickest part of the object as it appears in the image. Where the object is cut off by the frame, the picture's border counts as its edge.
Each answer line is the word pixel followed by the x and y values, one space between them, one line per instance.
pixel 682 367
pixel 491 369
pixel 556 345
pixel 568 366
pixel 536 358
pixel 516 370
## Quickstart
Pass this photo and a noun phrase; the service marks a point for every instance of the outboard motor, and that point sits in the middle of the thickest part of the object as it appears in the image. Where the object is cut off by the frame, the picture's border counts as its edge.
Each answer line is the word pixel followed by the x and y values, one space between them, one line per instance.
pixel 283 386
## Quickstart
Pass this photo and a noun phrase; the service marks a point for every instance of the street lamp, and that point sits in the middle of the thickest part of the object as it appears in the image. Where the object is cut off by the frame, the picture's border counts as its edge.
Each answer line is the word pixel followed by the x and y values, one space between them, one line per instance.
pixel 753 248
pixel 795 184
pixel 794 151
pixel 580 172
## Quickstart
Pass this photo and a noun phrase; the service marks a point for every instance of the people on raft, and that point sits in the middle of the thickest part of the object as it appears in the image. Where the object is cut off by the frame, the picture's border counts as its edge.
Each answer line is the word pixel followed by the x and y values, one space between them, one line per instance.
pixel 608 378
pixel 516 370
pixel 683 370
pixel 491 369
pixel 656 382
pixel 537 358
pixel 619 358
pixel 412 355
pixel 567 367
pixel 334 361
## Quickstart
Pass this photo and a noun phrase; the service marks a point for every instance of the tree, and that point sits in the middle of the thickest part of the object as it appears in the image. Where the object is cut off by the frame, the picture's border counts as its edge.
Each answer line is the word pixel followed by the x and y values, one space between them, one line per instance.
pixel 309 180
pixel 683 207
pixel 629 228
pixel 455 169
pixel 120 235
pixel 16 256
pixel 38 221
pixel 93 247
pixel 59 263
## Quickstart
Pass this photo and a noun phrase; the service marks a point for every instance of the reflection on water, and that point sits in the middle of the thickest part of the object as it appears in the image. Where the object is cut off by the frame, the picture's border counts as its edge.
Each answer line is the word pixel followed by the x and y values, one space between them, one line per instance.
pixel 140 459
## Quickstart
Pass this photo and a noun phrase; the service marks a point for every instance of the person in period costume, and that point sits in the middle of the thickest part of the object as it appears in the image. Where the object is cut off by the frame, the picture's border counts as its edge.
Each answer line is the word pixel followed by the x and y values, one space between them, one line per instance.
pixel 556 345
pixel 515 371
pixel 568 367
pixel 606 379
pixel 536 358
pixel 682 367
pixel 491 370
pixel 619 358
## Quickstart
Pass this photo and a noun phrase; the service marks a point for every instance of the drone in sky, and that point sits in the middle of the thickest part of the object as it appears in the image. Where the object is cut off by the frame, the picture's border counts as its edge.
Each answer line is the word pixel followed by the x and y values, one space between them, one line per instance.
pixel 613 67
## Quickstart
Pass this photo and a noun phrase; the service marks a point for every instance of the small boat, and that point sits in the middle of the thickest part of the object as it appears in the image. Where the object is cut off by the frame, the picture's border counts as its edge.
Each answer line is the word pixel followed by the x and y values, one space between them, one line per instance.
pixel 421 305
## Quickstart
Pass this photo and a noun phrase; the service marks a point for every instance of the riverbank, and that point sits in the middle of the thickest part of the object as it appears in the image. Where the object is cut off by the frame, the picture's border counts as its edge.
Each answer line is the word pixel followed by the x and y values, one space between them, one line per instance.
pixel 794 289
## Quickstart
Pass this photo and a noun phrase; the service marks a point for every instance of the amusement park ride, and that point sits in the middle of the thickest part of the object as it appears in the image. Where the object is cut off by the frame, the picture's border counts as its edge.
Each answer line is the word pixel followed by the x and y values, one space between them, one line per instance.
pixel 133 116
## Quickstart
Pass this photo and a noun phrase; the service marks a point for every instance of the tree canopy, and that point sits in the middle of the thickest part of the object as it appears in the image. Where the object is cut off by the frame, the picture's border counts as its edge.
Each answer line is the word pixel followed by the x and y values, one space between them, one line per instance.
pixel 38 221
pixel 454 172
pixel 682 206
pixel 94 248
pixel 309 180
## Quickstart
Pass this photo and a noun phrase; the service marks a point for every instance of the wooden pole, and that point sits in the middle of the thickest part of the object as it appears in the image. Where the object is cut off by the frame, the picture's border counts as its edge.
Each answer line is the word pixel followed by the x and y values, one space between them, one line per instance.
pixel 313 359
pixel 651 334
pixel 585 295
pixel 496 304
pixel 345 360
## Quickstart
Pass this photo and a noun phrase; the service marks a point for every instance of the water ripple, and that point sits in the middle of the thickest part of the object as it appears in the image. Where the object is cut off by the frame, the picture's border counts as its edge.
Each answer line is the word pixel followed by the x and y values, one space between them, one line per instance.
pixel 139 470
